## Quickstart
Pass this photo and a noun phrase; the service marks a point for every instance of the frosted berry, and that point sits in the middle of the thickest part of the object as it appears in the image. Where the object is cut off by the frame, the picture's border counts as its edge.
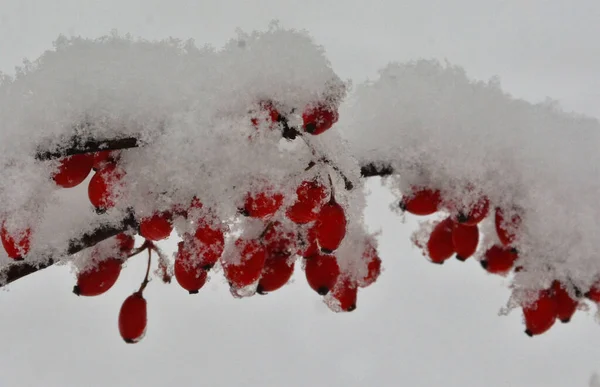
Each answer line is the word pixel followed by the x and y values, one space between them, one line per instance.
pixel 252 257
pixel 373 266
pixel 278 240
pixel 594 293
pixel 262 204
pixel 103 158
pixel 506 228
pixel 98 279
pixel 422 202
pixel 311 196
pixel 465 240
pixel 16 245
pixel 277 272
pixel 211 243
pixel 439 245
pixel 188 269
pixel 318 119
pixel 103 189
pixel 125 242
pixel 499 259
pixel 541 314
pixel 565 304
pixel 322 272
pixel 476 213
pixel 272 115
pixel 343 297
pixel 157 227
pixel 330 227
pixel 133 318
pixel 73 170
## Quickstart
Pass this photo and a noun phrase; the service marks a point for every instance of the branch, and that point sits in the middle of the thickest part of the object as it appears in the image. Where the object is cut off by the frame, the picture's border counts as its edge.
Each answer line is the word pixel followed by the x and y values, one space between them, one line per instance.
pixel 376 169
pixel 89 146
pixel 20 269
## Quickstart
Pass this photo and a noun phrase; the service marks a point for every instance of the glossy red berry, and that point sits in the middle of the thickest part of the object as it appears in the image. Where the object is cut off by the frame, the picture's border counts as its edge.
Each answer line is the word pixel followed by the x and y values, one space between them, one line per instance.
pixel 211 243
pixel 103 189
pixel 465 240
pixel 330 227
pixel 439 245
pixel 98 279
pixel 157 227
pixel 188 269
pixel 262 204
pixel 322 272
pixel 476 213
pixel 133 318
pixel 247 270
pixel 125 242
pixel 506 228
pixel 541 314
pixel 277 272
pixel 373 266
pixel 16 245
pixel 499 259
pixel 311 196
pixel 278 240
pixel 422 202
pixel 565 304
pixel 318 119
pixel 73 170
pixel 343 296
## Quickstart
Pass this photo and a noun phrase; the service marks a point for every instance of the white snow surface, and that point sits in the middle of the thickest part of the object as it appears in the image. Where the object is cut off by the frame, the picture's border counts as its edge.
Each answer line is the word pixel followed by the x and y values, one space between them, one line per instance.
pixel 192 108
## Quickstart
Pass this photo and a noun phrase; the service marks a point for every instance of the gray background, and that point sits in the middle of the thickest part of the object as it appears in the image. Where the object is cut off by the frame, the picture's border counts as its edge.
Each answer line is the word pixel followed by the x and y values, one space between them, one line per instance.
pixel 420 325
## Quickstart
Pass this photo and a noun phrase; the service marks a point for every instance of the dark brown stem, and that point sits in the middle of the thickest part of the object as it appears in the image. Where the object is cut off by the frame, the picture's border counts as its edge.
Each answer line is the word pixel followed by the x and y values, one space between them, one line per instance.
pixel 75 147
pixel 146 278
pixel 376 169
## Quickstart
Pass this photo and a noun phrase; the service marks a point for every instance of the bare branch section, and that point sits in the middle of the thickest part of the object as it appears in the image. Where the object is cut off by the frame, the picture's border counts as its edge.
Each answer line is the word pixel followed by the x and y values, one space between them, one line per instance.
pixel 89 146
pixel 18 270
pixel 376 169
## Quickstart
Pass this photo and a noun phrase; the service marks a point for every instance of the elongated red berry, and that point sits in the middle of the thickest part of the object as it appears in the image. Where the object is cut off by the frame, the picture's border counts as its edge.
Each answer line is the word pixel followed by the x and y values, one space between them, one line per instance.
pixel 465 240
pixel 211 243
pixel 322 272
pixel 104 186
pixel 499 259
pixel 476 213
pixel 188 269
pixel 247 270
pixel 73 170
pixel 330 227
pixel 565 304
pixel 506 228
pixel 133 318
pixel 373 266
pixel 422 202
pixel 343 296
pixel 541 314
pixel 98 279
pixel 278 240
pixel 277 272
pixel 157 227
pixel 439 245
pixel 319 118
pixel 311 196
pixel 17 244
pixel 262 204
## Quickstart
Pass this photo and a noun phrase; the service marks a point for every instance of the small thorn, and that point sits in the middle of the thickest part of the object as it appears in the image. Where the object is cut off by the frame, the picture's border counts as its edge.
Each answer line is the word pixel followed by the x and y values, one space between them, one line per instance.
pixel 193 291
pixel 326 251
pixel 462 218
pixel 76 290
pixel 460 258
pixel 323 290
pixel 528 333
pixel 484 264
pixel 310 128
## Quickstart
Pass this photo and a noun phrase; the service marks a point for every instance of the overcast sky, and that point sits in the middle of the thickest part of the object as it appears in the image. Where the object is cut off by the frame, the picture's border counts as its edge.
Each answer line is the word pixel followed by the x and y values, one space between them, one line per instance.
pixel 420 325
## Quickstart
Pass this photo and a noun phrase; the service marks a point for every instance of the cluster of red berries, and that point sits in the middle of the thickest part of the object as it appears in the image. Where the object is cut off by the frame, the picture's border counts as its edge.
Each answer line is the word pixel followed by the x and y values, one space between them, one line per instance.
pixel 458 233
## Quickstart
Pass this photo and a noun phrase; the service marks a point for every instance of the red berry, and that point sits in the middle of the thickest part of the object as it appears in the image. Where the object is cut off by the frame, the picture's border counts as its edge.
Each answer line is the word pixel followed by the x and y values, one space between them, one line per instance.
pixel 594 292
pixel 565 305
pixel 73 170
pixel 103 158
pixel 422 202
pixel 330 227
pixel 308 243
pixel 98 279
pixel 540 315
pixel 322 272
pixel 476 214
pixel 499 259
pixel 465 240
pixel 252 261
pixel 157 227
pixel 272 115
pixel 439 245
pixel 311 195
pixel 262 204
pixel 373 266
pixel 188 269
pixel 133 318
pixel 103 187
pixel 277 272
pixel 278 241
pixel 506 229
pixel 343 296
pixel 317 119
pixel 16 245
pixel 211 243
pixel 125 242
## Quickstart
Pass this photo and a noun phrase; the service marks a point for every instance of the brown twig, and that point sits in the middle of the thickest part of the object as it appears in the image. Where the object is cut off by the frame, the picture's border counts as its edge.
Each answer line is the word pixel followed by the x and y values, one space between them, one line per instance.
pixel 75 147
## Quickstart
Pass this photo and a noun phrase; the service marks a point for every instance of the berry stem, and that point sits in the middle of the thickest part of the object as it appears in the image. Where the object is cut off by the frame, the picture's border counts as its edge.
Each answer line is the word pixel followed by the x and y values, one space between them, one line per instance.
pixel 322 158
pixel 146 279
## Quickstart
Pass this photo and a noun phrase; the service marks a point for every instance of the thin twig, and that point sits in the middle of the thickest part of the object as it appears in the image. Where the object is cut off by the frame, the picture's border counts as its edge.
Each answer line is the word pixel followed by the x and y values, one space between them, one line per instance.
pixel 89 146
